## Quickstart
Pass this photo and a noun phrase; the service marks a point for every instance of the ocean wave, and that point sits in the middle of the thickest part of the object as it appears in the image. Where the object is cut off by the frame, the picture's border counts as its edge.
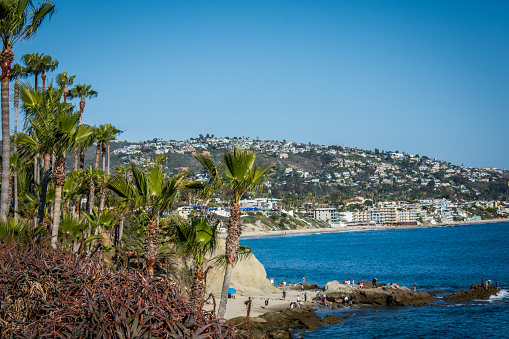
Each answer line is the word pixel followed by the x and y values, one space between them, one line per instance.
pixel 501 295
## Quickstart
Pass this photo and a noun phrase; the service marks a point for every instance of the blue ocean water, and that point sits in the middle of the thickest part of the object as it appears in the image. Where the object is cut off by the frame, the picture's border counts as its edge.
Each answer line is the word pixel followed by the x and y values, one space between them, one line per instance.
pixel 438 258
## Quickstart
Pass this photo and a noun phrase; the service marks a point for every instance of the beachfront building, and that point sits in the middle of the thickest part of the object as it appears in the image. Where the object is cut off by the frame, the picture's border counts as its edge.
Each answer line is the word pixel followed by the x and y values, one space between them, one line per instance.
pixel 261 204
pixel 331 216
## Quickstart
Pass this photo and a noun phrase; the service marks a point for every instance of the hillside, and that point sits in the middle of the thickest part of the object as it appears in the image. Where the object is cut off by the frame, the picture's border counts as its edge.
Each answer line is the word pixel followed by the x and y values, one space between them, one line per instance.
pixel 330 172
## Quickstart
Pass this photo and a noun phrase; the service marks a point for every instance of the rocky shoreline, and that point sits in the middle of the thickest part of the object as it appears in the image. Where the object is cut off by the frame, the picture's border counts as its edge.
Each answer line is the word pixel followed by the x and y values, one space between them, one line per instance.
pixel 281 324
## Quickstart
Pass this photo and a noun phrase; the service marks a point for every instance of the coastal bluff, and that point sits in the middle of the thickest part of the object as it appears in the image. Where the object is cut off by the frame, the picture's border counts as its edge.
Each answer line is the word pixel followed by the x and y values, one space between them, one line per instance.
pixel 248 277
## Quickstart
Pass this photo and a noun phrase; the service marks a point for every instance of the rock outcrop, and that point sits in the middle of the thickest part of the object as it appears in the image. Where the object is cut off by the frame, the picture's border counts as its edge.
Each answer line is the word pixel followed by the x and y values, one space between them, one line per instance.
pixel 248 277
pixel 336 287
pixel 280 324
pixel 377 296
pixel 476 292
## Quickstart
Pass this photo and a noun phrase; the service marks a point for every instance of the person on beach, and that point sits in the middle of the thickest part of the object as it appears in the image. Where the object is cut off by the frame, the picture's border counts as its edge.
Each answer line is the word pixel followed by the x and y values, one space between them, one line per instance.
pixel 305 296
pixel 415 287
pixel 375 285
pixel 353 283
pixel 489 282
pixel 361 285
pixel 266 303
pixel 284 295
pixel 346 300
pixel 302 287
pixel 298 299
pixel 486 284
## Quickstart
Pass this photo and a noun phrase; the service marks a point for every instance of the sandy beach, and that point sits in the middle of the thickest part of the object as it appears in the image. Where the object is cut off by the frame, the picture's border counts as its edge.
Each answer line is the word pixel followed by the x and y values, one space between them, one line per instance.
pixel 237 307
pixel 356 228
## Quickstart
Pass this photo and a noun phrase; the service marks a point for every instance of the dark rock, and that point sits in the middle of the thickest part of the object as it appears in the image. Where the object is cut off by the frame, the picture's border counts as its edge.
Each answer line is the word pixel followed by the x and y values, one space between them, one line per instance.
pixel 377 296
pixel 477 291
pixel 283 321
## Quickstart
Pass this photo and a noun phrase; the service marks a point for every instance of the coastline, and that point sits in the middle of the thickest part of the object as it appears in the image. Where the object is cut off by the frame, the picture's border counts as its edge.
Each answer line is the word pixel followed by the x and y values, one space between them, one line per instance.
pixel 305 231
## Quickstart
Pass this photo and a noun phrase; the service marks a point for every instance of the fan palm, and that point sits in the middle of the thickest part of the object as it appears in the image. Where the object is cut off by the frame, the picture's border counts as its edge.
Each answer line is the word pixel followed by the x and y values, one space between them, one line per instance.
pixel 36 64
pixel 68 133
pixel 19 20
pixel 83 92
pixel 152 193
pixel 104 135
pixel 64 80
pixel 198 238
pixel 236 176
pixel 43 110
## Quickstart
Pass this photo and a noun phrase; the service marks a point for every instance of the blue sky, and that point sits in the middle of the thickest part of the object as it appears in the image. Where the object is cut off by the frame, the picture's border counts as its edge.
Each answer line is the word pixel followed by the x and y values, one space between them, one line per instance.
pixel 426 77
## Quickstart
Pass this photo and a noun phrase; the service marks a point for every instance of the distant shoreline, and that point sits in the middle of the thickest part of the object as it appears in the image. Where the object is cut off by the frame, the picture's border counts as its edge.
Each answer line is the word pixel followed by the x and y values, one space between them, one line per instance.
pixel 304 231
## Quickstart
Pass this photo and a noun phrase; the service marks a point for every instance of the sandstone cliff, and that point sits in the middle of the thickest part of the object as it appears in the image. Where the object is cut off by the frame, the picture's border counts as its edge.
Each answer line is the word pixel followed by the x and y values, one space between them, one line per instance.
pixel 248 277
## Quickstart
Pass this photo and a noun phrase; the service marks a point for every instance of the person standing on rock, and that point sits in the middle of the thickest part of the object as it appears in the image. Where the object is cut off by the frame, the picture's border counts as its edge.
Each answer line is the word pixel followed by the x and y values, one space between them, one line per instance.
pixel 415 287
pixel 306 294
pixel 496 284
pixel 304 278
pixel 375 285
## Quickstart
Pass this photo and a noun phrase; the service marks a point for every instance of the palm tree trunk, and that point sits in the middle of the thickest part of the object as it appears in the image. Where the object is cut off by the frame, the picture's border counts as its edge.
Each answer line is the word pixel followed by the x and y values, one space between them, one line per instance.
pixel 44 186
pixel 103 154
pixel 91 195
pixel 97 154
pixel 6 58
pixel 16 104
pixel 82 159
pixel 56 216
pixel 151 246
pixel 59 177
pixel 198 287
pixel 119 231
pixel 108 158
pixel 232 248
pixel 82 108
pixel 102 194
pixel 75 163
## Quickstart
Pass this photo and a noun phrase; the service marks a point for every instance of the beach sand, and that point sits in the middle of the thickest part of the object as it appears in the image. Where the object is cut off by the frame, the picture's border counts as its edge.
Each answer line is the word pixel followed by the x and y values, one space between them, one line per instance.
pixel 237 307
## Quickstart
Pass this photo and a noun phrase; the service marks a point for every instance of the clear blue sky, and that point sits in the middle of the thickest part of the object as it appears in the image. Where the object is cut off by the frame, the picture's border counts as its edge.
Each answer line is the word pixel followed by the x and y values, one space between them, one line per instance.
pixel 426 77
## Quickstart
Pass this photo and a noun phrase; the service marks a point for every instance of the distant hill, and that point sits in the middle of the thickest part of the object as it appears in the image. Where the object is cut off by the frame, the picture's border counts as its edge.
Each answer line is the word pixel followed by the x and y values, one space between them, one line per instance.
pixel 330 172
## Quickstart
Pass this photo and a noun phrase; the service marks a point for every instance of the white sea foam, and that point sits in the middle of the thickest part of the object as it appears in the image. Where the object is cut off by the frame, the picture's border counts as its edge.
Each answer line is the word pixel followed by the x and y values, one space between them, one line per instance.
pixel 501 295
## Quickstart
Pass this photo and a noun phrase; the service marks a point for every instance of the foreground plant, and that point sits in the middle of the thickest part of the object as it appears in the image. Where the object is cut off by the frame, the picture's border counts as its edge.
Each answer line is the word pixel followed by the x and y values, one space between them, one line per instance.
pixel 50 293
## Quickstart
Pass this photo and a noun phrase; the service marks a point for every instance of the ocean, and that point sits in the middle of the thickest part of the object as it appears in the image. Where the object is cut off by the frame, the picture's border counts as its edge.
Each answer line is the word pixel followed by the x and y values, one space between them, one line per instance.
pixel 435 258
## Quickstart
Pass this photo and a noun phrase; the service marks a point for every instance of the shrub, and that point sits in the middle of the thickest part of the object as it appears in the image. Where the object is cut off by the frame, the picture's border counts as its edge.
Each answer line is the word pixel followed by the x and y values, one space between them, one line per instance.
pixel 54 294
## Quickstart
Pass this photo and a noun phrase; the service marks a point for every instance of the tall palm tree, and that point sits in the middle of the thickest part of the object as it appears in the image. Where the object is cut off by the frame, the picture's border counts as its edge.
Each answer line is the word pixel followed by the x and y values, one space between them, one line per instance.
pixel 44 111
pixel 68 132
pixel 64 80
pixel 19 20
pixel 83 92
pixel 198 238
pixel 236 176
pixel 105 134
pixel 16 72
pixel 36 64
pixel 153 193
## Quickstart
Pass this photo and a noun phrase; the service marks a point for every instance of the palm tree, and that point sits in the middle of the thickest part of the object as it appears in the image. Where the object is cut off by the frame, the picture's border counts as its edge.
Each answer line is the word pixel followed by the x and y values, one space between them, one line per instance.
pixel 68 132
pixel 19 20
pixel 152 194
pixel 44 132
pixel 16 72
pixel 82 91
pixel 104 135
pixel 236 176
pixel 64 80
pixel 198 238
